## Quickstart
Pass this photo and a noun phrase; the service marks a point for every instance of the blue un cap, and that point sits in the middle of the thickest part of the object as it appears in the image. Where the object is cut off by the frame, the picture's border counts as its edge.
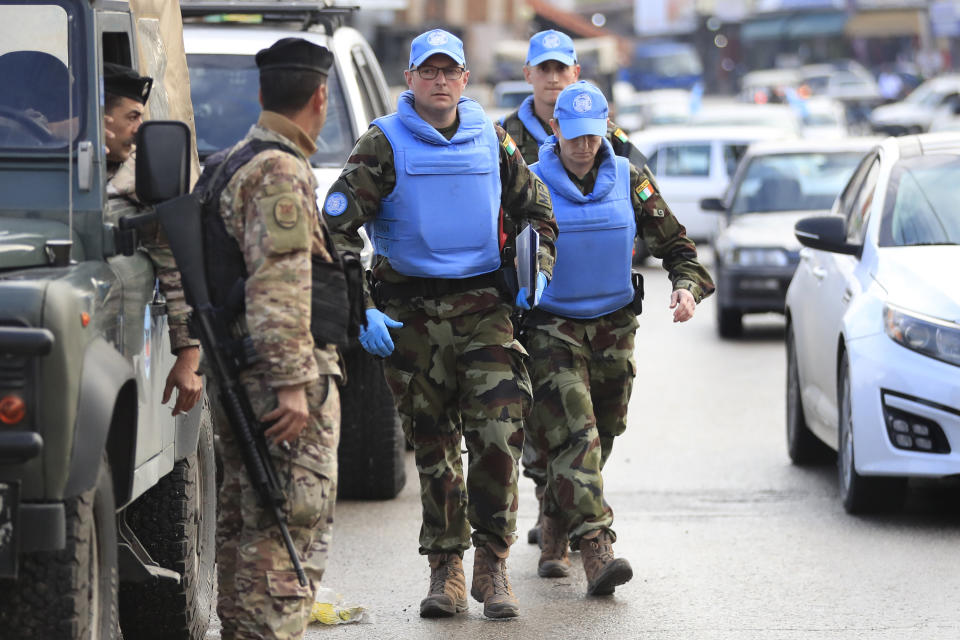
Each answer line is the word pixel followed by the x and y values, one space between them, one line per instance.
pixel 581 110
pixel 436 41
pixel 551 45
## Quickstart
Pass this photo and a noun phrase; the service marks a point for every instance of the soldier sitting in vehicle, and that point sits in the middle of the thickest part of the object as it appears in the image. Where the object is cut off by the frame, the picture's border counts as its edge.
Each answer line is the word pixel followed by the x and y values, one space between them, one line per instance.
pixel 126 95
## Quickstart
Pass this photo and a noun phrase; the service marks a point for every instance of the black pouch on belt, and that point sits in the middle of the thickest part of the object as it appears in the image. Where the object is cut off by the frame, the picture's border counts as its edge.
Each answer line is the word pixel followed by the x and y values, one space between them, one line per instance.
pixel 637 304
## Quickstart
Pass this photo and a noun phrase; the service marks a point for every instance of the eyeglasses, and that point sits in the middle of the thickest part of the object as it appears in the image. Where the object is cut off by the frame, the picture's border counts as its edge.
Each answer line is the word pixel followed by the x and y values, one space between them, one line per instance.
pixel 430 73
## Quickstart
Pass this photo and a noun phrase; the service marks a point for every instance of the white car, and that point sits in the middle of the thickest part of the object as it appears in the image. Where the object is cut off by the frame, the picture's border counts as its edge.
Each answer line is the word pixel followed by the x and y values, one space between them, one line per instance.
pixel 916 112
pixel 693 163
pixel 776 184
pixel 823 118
pixel 723 112
pixel 873 325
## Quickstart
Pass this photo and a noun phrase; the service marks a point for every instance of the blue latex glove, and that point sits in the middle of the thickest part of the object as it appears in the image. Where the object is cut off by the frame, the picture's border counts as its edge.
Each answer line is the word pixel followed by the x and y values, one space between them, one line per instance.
pixel 522 294
pixel 375 337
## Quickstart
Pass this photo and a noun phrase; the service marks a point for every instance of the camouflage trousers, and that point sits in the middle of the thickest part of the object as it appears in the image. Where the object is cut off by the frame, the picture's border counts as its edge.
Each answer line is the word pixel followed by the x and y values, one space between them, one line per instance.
pixel 457 374
pixel 582 374
pixel 259 595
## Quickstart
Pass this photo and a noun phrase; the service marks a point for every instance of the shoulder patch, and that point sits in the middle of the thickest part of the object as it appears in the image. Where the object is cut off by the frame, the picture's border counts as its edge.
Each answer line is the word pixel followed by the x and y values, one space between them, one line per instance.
pixel 621 136
pixel 286 212
pixel 508 144
pixel 543 194
pixel 644 190
pixel 335 204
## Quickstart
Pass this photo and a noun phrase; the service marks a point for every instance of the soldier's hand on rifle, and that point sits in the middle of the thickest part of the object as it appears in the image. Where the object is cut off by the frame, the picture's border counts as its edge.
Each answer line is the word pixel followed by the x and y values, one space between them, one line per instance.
pixel 183 376
pixel 290 415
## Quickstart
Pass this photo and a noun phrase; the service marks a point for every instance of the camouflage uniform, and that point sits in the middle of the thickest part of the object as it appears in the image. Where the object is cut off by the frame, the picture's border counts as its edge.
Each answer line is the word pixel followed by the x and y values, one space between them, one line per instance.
pixel 583 371
pixel 456 371
pixel 269 207
pixel 122 200
pixel 535 459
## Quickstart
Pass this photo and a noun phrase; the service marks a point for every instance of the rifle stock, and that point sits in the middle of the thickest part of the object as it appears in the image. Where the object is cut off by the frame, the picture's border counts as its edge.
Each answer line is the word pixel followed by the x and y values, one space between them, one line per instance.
pixel 180 219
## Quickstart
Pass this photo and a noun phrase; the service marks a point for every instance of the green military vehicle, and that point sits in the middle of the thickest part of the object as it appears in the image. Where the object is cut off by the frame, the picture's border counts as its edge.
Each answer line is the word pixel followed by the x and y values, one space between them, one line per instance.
pixel 107 502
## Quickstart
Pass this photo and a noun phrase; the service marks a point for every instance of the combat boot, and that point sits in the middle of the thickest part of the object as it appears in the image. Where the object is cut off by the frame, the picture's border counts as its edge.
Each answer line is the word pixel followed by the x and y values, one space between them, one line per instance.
pixel 491 586
pixel 448 587
pixel 554 559
pixel 604 572
pixel 533 535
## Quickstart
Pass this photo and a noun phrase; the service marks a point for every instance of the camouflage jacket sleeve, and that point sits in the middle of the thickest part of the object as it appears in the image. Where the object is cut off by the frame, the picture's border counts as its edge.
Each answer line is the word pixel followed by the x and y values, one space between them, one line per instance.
pixel 665 236
pixel 524 197
pixel 367 178
pixel 276 206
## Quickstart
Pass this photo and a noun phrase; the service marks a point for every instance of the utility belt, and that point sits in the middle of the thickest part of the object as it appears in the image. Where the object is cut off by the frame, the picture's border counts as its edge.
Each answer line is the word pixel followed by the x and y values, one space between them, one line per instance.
pixel 432 287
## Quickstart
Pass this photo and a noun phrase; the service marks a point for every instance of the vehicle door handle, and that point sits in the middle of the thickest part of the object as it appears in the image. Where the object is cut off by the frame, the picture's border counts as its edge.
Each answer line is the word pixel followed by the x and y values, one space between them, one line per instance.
pixel 819 273
pixel 847 294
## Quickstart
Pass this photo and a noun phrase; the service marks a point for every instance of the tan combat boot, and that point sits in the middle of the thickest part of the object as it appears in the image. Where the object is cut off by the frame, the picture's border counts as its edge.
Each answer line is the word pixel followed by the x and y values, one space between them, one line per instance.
pixel 491 586
pixel 448 587
pixel 554 559
pixel 604 572
pixel 533 535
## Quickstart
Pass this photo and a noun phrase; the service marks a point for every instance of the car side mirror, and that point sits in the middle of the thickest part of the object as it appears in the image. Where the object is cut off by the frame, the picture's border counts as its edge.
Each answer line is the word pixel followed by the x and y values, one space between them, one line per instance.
pixel 163 161
pixel 713 204
pixel 828 233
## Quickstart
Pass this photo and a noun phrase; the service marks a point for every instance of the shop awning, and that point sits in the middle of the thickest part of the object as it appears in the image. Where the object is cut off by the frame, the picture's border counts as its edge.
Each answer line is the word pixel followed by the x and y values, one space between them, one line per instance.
pixel 882 24
pixel 794 26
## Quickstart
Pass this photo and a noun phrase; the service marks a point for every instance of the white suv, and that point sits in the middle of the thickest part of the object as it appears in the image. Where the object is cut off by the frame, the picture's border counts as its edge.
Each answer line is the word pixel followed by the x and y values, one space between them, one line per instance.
pixel 224 83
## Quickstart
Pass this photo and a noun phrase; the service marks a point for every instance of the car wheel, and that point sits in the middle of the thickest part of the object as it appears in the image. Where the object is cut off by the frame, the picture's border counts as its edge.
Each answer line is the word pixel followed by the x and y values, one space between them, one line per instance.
pixel 860 494
pixel 729 322
pixel 71 593
pixel 803 447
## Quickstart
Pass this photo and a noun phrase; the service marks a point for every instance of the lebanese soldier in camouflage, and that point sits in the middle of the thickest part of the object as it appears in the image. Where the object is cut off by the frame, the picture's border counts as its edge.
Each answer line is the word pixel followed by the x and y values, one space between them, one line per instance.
pixel 582 363
pixel 126 94
pixel 457 372
pixel 269 208
pixel 551 66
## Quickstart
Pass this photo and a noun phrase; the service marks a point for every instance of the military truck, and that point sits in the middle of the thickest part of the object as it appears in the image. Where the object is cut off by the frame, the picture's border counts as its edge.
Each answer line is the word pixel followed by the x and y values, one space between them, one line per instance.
pixel 107 502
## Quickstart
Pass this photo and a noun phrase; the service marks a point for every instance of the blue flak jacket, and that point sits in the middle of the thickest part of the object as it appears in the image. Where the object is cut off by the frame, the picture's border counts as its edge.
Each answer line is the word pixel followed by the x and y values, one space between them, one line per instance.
pixel 592 274
pixel 441 220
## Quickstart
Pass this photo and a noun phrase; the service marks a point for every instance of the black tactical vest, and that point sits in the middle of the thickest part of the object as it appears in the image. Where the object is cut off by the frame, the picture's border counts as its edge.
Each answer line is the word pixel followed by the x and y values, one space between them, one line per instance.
pixel 332 318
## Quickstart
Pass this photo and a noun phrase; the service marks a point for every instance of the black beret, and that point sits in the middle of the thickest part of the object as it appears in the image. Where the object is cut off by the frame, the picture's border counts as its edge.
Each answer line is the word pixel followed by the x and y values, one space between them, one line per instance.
pixel 294 54
pixel 119 80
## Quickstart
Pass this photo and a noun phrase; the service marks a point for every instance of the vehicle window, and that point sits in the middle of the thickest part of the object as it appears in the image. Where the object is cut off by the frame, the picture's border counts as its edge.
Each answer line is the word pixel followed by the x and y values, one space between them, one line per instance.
pixel 224 90
pixel 921 199
pixel 685 160
pixel 37 110
pixel 793 181
pixel 731 157
pixel 859 213
pixel 373 103
pixel 652 161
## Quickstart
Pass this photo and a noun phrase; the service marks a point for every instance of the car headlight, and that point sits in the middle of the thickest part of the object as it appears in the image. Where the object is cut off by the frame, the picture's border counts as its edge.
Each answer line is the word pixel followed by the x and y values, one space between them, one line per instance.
pixel 931 337
pixel 756 257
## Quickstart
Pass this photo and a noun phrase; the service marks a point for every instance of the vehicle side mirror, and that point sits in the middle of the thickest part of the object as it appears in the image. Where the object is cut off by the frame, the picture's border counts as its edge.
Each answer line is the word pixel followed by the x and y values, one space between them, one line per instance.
pixel 828 233
pixel 163 161
pixel 713 204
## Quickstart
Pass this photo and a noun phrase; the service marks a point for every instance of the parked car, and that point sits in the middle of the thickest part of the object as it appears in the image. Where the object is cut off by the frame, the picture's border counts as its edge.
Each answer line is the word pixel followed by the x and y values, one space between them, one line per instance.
pixel 693 163
pixel 225 83
pixel 873 325
pixel 846 81
pixel 721 112
pixel 648 109
pixel 507 96
pixel 663 64
pixel 823 118
pixel 916 112
pixel 776 184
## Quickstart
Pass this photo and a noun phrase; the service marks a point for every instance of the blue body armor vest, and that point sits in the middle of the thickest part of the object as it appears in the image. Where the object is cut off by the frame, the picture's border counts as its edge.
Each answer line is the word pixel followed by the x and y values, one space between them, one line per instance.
pixel 591 277
pixel 441 220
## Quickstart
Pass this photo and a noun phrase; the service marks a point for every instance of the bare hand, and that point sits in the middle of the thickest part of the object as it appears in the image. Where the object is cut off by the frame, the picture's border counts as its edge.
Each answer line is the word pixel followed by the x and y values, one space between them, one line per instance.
pixel 183 376
pixel 683 304
pixel 290 415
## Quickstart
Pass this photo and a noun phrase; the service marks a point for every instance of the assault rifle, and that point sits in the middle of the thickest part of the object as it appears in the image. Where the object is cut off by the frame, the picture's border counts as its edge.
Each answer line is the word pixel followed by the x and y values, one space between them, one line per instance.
pixel 180 219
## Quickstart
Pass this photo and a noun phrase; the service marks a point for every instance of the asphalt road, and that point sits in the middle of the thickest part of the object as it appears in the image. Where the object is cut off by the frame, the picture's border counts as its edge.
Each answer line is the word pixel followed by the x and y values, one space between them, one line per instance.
pixel 726 538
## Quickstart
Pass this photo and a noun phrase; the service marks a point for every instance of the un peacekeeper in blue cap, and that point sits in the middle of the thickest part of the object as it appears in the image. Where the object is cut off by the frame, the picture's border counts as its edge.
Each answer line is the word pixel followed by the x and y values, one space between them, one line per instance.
pixel 434 42
pixel 587 318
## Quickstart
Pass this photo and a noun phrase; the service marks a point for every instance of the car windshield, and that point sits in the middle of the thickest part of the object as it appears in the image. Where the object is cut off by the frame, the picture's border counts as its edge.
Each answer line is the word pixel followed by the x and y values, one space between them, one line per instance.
pixel 921 202
pixel 224 90
pixel 793 181
pixel 36 110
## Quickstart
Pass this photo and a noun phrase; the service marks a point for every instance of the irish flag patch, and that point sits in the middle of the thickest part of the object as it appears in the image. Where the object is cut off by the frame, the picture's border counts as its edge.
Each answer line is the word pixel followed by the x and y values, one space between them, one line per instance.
pixel 645 190
pixel 621 136
pixel 509 144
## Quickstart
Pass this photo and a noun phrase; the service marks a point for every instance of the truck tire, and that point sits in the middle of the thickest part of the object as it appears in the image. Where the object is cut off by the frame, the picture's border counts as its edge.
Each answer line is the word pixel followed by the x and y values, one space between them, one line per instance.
pixel 176 523
pixel 371 452
pixel 71 593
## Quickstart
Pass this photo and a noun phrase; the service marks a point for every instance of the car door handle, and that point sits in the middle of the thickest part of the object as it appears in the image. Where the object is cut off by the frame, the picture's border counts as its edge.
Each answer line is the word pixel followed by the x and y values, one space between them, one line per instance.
pixel 819 273
pixel 847 294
